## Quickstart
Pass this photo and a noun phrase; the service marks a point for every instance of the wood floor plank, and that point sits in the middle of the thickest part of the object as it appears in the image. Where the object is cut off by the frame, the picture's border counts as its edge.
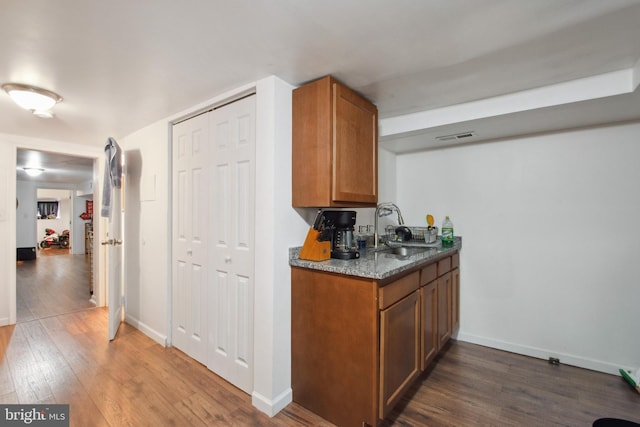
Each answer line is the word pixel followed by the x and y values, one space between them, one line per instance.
pixel 51 363
pixel 201 411
pixel 6 382
pixel 31 385
pixel 52 285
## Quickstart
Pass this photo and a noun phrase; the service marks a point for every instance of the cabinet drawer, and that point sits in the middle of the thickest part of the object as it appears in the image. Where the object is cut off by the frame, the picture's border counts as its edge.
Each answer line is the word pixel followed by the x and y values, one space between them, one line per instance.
pixel 428 274
pixel 395 291
pixel 455 260
pixel 444 266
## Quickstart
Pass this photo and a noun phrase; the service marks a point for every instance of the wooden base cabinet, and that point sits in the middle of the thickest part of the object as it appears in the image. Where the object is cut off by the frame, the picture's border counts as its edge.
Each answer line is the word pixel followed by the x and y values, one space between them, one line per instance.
pixel 444 309
pixel 399 350
pixel 455 292
pixel 358 344
pixel 334 346
pixel 429 322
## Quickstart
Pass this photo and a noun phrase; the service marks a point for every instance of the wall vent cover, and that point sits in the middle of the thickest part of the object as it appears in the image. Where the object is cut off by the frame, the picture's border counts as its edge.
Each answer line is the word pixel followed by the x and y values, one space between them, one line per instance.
pixel 456 136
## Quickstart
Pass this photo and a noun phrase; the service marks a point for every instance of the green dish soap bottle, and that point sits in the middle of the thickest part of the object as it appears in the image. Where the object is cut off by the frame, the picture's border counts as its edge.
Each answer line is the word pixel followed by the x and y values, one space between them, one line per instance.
pixel 447 232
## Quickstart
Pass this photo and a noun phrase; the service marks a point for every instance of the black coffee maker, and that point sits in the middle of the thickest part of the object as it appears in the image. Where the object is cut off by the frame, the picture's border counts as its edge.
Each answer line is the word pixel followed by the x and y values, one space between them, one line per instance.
pixel 343 242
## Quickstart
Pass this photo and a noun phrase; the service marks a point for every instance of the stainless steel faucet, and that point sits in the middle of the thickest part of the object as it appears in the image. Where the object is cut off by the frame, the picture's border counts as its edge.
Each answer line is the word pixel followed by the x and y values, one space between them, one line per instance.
pixel 384 209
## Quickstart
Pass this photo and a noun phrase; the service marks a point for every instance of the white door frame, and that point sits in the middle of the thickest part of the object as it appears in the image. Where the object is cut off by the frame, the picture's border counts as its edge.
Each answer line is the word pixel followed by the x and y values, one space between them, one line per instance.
pixel 95 153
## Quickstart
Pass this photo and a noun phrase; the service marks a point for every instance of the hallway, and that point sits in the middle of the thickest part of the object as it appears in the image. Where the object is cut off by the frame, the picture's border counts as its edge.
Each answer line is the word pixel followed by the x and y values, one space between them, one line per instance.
pixel 52 284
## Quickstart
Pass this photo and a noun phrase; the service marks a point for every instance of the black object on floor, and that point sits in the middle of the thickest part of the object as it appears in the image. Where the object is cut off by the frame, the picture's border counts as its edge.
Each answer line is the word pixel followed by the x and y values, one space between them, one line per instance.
pixel 614 422
pixel 26 254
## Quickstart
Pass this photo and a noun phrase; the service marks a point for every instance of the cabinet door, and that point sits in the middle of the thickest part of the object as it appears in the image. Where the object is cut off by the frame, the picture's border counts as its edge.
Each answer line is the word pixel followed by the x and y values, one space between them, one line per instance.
pixel 399 350
pixel 455 299
pixel 311 144
pixel 355 148
pixel 429 319
pixel 444 309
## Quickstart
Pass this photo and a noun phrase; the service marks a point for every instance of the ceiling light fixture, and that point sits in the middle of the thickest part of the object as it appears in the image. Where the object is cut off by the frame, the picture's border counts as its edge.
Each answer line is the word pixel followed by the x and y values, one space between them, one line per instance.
pixel 33 171
pixel 37 100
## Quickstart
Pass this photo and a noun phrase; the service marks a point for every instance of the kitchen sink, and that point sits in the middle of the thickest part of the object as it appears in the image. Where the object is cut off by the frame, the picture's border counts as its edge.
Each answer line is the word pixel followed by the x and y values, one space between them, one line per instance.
pixel 402 251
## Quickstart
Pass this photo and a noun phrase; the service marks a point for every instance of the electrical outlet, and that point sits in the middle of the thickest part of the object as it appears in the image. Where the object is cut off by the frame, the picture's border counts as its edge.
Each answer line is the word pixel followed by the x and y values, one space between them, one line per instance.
pixel 554 361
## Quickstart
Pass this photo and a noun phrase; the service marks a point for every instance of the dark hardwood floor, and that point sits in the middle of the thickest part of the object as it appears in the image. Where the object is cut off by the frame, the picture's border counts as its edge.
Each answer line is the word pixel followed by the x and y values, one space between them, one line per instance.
pixel 133 381
pixel 471 385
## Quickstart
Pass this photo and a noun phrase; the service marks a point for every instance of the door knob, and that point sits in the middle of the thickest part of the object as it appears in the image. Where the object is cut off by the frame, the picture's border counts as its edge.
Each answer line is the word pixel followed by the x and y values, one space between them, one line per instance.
pixel 112 242
pixel 227 259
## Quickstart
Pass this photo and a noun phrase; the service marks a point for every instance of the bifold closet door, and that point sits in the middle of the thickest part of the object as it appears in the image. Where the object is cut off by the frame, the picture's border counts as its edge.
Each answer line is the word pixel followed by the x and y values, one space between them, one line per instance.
pixel 232 218
pixel 190 236
pixel 213 235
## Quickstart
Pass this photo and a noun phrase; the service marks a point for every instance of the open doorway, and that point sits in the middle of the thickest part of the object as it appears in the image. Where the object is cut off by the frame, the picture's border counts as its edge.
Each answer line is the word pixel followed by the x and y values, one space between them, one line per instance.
pixel 54 230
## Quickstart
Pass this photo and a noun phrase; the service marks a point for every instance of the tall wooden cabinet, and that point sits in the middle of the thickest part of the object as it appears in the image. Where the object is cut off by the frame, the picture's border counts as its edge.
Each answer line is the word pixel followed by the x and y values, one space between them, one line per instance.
pixel 335 147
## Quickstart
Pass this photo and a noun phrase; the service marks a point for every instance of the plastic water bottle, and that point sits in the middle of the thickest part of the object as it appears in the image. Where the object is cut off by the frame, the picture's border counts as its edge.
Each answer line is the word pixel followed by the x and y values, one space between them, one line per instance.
pixel 447 232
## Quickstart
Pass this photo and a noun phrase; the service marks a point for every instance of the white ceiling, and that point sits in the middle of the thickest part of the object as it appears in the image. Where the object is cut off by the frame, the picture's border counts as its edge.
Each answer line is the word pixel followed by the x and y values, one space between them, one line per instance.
pixel 121 65
pixel 58 168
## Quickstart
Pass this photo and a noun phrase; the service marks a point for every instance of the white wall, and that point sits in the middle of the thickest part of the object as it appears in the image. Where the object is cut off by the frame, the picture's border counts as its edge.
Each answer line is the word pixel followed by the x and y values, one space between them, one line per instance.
pixel 278 227
pixel 147 230
pixel 26 235
pixel 7 229
pixel 549 262
pixel 386 191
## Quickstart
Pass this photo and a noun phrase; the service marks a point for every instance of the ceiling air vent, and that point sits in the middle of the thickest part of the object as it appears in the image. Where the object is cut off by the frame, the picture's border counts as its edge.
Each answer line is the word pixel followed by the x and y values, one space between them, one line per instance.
pixel 455 136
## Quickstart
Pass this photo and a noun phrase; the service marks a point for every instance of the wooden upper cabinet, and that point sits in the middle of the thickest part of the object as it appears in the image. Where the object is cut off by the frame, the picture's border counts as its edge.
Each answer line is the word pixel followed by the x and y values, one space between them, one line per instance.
pixel 335 147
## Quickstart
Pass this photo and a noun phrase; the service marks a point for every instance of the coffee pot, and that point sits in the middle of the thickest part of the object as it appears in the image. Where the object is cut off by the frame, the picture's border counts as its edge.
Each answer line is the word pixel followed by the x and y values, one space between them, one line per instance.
pixel 341 225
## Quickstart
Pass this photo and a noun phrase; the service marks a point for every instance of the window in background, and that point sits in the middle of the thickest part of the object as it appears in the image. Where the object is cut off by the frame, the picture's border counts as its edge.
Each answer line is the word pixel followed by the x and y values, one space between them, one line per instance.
pixel 48 210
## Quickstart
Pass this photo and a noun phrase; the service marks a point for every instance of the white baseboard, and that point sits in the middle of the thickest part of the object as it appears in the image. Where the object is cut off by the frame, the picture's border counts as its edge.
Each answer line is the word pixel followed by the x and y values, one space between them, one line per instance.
pixel 272 406
pixel 4 321
pixel 541 353
pixel 145 329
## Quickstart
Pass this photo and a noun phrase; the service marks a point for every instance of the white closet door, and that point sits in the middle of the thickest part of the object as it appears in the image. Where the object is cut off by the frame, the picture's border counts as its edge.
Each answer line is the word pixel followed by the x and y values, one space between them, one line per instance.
pixel 230 353
pixel 190 236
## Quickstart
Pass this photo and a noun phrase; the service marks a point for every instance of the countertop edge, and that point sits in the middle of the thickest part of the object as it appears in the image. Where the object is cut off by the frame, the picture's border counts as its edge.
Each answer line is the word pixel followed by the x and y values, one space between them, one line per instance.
pixel 370 267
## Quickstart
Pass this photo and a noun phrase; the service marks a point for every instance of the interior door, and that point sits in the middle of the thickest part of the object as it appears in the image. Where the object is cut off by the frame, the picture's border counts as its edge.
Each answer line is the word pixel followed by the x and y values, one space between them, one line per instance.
pixel 230 353
pixel 112 210
pixel 114 254
pixel 190 232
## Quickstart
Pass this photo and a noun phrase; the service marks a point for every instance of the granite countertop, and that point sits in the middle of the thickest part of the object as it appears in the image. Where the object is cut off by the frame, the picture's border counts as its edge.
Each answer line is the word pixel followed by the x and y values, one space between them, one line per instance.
pixel 378 264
